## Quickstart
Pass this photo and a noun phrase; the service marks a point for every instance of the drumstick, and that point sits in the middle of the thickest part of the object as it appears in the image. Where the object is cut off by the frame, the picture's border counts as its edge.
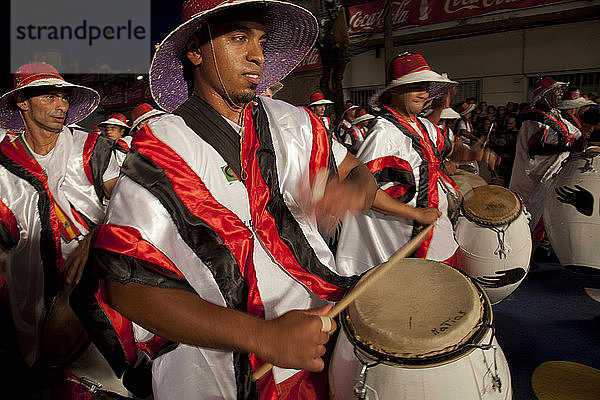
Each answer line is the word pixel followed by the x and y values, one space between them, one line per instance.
pixel 359 289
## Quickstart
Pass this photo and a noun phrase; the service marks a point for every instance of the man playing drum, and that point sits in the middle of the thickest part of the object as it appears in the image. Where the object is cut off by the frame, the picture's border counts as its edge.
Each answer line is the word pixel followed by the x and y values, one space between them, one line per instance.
pixel 53 183
pixel 544 141
pixel 211 238
pixel 404 153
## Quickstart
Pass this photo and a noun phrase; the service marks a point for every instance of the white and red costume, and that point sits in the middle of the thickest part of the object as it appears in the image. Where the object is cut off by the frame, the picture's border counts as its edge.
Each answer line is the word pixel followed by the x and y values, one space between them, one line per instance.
pixel 543 144
pixel 405 158
pixel 47 204
pixel 179 217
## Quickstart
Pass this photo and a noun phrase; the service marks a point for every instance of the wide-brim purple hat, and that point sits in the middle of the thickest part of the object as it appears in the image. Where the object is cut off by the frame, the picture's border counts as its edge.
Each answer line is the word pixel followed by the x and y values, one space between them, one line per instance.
pixel 291 33
pixel 83 100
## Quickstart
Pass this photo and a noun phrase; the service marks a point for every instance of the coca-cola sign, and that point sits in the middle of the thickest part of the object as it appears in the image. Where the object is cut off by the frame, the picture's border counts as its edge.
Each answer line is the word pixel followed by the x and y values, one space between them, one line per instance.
pixel 368 18
pixel 310 62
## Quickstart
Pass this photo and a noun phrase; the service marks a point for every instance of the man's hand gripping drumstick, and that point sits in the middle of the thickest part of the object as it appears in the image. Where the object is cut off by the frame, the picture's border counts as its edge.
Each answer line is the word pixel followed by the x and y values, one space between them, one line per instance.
pixel 376 274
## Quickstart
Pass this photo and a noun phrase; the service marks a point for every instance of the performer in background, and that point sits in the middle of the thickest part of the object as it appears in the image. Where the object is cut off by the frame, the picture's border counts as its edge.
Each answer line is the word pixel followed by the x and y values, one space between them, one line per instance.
pixel 544 141
pixel 318 104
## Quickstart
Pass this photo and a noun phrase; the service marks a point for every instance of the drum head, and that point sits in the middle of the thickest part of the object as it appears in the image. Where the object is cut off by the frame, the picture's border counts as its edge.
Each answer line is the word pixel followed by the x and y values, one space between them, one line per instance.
pixel 491 205
pixel 423 312
pixel 467 181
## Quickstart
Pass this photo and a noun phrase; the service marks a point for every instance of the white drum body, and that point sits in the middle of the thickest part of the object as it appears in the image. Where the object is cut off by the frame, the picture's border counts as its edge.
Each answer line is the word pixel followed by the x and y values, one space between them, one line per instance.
pixel 495 256
pixel 473 377
pixel 95 373
pixel 423 332
pixel 572 212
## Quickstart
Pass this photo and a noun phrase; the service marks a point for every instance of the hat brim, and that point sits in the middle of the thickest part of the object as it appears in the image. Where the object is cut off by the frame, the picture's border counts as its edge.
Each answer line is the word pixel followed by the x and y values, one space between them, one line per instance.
pixel 83 101
pixel 548 89
pixel 363 118
pixel 291 33
pixel 449 113
pixel 144 117
pixel 469 109
pixel 438 85
pixel 320 102
pixel 114 121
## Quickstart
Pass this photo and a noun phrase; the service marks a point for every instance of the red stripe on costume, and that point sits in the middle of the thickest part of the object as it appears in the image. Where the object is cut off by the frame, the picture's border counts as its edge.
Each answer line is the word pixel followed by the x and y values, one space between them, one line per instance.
pixel 123 144
pixel 433 167
pixel 79 219
pixel 397 191
pixel 378 164
pixel 88 150
pixel 122 325
pixel 536 137
pixel 16 151
pixel 9 221
pixel 259 194
pixel 197 198
pixel 128 241
pixel 319 155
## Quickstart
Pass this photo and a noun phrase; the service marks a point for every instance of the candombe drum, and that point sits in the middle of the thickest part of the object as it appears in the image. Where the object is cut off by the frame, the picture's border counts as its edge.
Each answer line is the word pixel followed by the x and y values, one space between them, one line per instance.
pixel 572 212
pixel 494 240
pixel 423 332
pixel 465 181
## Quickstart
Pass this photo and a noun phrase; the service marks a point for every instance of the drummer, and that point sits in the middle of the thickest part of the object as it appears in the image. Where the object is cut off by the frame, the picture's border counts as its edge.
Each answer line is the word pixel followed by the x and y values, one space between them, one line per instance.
pixel 404 154
pixel 545 139
pixel 50 202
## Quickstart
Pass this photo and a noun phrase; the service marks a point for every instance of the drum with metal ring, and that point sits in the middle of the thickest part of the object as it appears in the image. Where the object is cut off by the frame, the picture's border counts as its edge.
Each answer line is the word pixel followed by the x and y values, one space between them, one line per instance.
pixel 423 332
pixel 572 212
pixel 494 239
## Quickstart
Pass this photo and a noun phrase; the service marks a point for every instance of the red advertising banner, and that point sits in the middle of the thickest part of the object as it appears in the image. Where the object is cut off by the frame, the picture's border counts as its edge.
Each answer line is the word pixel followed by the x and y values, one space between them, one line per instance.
pixel 368 18
pixel 310 62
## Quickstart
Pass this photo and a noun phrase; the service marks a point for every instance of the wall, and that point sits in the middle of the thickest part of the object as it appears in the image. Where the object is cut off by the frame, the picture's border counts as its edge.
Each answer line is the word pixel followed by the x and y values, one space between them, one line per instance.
pixel 502 62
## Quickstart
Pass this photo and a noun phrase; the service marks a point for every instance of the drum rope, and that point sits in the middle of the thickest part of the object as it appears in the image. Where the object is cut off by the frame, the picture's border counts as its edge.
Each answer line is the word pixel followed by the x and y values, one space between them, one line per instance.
pixel 502 250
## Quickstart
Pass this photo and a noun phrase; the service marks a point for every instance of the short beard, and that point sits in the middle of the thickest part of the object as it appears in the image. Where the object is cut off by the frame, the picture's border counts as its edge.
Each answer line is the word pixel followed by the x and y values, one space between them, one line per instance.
pixel 245 96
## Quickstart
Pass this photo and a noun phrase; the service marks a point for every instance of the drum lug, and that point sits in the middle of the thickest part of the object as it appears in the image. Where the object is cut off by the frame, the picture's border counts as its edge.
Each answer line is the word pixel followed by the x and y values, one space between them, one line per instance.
pixel 360 388
pixel 89 384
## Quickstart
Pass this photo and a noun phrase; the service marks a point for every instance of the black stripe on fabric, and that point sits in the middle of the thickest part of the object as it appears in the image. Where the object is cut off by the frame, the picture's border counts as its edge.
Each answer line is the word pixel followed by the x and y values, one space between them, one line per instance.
pixel 99 162
pixel 48 250
pixel 94 319
pixel 204 242
pixel 541 118
pixel 422 192
pixel 398 176
pixel 91 225
pixel 288 228
pixel 7 241
pixel 547 149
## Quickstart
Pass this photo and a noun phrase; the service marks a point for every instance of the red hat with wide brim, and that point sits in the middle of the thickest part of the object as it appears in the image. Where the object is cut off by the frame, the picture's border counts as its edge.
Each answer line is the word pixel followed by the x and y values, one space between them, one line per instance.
pixel 408 68
pixel 544 86
pixel 143 112
pixel 116 119
pixel 82 102
pixel 291 33
pixel 317 99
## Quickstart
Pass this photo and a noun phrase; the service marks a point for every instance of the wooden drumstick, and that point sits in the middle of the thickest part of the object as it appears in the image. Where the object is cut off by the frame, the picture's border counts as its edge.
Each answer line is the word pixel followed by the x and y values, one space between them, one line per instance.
pixel 375 274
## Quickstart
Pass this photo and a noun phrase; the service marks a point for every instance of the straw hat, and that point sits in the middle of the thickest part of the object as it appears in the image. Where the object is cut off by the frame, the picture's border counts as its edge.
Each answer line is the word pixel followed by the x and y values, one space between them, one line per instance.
pixel 361 116
pixel 143 112
pixel 466 108
pixel 407 68
pixel 291 32
pixel 449 113
pixel 83 100
pixel 116 119
pixel 545 85
pixel 316 99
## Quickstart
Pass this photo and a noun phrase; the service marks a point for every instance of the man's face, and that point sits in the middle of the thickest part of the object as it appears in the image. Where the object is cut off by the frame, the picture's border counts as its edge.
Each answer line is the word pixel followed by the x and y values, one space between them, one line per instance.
pixel 232 68
pixel 350 114
pixel 411 98
pixel 511 124
pixel 114 132
pixel 319 109
pixel 46 111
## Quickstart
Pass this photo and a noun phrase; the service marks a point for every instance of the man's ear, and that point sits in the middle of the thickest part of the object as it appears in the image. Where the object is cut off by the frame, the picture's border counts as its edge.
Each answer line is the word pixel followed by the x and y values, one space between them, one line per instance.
pixel 22 103
pixel 192 50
